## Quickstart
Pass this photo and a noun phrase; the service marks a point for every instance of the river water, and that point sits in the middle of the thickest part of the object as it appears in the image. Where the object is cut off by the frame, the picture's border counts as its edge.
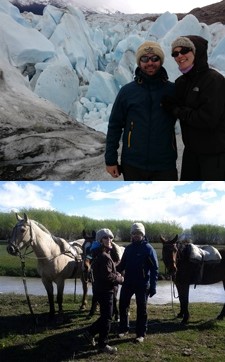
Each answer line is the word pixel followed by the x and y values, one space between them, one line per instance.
pixel 202 293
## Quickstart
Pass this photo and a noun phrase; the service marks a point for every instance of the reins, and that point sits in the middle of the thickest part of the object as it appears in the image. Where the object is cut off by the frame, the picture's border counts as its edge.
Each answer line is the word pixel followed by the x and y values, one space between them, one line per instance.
pixel 22 259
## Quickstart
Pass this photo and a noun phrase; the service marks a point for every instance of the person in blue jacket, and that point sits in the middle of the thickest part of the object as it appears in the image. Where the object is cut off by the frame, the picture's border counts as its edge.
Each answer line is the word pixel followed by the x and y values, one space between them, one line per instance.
pixel 149 149
pixel 139 264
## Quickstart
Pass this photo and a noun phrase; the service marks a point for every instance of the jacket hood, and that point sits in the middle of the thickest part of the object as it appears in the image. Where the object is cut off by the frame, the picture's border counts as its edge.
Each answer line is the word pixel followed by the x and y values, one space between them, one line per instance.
pixel 201 56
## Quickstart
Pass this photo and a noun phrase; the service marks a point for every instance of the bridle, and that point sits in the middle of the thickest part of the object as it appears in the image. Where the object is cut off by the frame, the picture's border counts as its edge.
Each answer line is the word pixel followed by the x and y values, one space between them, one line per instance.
pixel 171 268
pixel 13 248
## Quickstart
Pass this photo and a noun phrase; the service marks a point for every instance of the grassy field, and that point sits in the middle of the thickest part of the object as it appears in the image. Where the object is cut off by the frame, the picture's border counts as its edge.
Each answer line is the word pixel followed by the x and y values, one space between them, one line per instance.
pixel 203 339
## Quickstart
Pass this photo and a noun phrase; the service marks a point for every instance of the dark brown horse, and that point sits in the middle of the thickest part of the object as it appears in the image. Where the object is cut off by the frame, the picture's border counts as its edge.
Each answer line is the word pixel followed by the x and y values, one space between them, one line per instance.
pixel 176 257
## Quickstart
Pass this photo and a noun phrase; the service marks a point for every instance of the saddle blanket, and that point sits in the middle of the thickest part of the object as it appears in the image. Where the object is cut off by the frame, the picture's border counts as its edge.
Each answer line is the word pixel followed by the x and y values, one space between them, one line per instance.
pixel 205 253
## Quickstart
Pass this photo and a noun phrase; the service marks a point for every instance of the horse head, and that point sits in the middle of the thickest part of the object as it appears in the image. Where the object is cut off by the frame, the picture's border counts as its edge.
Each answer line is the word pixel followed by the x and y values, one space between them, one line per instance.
pixel 21 235
pixel 169 254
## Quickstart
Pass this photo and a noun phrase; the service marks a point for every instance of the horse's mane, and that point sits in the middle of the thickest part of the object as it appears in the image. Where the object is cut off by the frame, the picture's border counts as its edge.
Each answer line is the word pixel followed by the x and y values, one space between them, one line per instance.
pixel 42 227
pixel 62 243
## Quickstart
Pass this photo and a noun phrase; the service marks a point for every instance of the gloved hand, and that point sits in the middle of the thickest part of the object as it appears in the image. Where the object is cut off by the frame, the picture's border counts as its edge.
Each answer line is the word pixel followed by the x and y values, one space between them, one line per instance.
pixel 169 104
pixel 151 292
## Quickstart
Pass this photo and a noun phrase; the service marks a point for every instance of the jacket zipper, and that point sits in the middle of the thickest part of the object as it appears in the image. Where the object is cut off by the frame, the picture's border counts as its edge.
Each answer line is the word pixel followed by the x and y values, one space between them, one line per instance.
pixel 130 132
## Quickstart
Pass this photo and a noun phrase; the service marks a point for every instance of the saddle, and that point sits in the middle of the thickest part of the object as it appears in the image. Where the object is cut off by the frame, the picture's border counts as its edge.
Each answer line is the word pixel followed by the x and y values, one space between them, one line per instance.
pixel 204 254
pixel 200 256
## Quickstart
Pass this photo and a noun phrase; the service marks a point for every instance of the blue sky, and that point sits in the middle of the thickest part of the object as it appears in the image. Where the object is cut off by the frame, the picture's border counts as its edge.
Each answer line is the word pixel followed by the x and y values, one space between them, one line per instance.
pixel 187 203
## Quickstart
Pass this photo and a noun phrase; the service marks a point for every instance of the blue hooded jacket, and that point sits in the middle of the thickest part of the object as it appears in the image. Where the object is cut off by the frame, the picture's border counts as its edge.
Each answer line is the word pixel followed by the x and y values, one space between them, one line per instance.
pixel 140 264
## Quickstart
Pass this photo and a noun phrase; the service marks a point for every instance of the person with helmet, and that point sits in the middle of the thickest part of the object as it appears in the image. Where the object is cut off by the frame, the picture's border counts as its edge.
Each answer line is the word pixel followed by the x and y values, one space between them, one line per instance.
pixel 105 277
pixel 140 266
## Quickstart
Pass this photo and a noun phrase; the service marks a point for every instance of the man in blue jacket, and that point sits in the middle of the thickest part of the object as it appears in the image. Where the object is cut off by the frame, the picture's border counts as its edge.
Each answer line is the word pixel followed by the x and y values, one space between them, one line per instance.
pixel 149 145
pixel 139 264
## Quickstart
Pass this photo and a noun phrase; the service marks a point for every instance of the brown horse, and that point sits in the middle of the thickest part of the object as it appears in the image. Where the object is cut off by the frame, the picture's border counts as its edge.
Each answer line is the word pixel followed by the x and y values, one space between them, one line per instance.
pixel 176 257
pixel 57 259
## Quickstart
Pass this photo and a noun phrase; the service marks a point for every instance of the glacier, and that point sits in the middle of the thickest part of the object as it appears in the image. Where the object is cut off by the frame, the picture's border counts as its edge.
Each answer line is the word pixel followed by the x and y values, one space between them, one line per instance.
pixel 77 59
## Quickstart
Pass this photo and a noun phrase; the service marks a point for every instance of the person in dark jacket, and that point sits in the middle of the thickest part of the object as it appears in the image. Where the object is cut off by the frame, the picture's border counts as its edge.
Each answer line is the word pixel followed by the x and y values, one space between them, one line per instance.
pixel 200 106
pixel 139 264
pixel 149 145
pixel 105 277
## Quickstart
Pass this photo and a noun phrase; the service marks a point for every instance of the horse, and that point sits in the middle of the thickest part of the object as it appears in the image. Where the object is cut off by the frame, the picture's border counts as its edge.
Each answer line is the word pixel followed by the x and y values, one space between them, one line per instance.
pixel 57 259
pixel 184 272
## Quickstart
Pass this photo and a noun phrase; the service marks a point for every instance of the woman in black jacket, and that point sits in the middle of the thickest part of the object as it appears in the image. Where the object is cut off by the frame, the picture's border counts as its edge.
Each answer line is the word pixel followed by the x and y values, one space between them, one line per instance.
pixel 105 278
pixel 200 106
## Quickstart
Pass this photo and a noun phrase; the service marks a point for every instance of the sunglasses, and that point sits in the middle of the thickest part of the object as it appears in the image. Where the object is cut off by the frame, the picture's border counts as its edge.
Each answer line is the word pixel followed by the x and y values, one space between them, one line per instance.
pixel 153 58
pixel 107 237
pixel 184 50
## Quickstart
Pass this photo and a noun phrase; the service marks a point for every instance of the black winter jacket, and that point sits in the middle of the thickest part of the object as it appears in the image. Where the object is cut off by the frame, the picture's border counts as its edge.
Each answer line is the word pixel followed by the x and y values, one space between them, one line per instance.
pixel 105 276
pixel 148 131
pixel 201 98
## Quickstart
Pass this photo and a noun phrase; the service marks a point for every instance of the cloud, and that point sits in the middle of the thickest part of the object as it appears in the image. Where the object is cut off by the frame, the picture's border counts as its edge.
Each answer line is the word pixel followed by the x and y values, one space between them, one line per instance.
pixel 160 201
pixel 15 196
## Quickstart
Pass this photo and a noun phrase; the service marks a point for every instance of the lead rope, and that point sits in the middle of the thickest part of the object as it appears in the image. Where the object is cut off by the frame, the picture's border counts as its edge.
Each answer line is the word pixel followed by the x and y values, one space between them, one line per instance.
pixel 26 290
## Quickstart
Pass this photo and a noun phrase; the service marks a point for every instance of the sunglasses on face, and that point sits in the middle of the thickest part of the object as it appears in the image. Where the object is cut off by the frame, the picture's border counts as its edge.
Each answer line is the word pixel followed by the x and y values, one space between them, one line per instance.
pixel 184 50
pixel 107 237
pixel 146 58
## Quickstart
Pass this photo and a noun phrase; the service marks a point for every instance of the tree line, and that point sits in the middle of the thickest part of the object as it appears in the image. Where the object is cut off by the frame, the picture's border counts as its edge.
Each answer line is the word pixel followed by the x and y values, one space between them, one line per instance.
pixel 71 227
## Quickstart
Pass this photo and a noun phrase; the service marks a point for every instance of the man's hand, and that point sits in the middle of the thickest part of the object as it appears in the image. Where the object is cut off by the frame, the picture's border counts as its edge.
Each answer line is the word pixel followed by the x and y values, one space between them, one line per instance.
pixel 151 292
pixel 113 171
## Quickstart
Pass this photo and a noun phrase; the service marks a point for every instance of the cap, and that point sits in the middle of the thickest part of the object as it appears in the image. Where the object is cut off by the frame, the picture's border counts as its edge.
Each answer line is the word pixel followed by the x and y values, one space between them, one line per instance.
pixel 149 47
pixel 102 233
pixel 183 41
pixel 138 227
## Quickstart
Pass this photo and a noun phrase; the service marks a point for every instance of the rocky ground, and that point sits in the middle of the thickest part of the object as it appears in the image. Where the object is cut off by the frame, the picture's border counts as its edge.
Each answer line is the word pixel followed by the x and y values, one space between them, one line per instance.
pixel 39 141
pixel 209 14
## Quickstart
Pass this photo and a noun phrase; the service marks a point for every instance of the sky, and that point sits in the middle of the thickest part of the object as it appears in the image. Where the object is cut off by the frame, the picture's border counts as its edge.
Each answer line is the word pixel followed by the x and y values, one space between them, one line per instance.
pixel 185 202
pixel 148 6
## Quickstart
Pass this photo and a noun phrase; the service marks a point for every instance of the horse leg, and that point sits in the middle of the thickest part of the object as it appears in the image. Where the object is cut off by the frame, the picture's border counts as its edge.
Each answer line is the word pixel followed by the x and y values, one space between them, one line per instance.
pixel 94 304
pixel 183 293
pixel 85 292
pixel 222 313
pixel 49 289
pixel 59 299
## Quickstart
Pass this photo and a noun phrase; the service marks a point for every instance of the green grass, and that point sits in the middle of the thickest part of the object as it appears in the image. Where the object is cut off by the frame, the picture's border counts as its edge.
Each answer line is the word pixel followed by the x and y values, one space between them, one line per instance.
pixel 11 265
pixel 203 339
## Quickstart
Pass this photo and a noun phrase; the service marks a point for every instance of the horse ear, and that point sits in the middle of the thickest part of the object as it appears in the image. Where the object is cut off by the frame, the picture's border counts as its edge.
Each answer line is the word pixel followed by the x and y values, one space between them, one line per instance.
pixel 163 240
pixel 174 240
pixel 18 217
pixel 25 217
pixel 84 234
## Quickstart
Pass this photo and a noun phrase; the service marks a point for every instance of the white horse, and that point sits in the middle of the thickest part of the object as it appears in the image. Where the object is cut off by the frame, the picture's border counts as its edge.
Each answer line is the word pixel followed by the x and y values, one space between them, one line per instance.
pixel 57 259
